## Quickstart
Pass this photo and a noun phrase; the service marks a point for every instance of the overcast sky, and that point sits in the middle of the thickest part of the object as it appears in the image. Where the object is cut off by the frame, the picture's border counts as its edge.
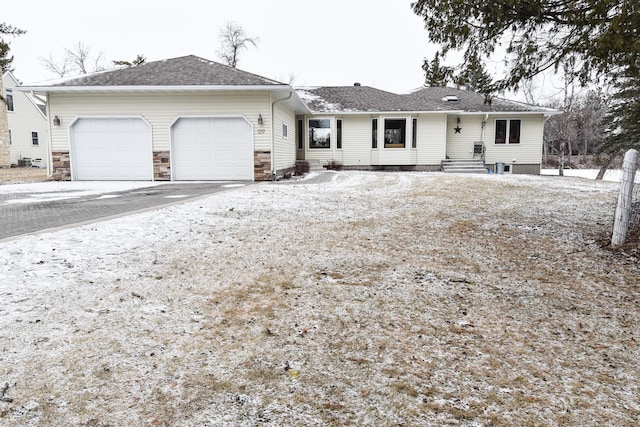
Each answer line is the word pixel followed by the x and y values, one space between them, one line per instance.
pixel 333 42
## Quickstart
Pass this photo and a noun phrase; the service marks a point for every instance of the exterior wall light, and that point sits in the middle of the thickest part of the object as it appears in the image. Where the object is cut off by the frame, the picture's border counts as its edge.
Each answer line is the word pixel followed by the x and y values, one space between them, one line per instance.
pixel 260 120
pixel 56 121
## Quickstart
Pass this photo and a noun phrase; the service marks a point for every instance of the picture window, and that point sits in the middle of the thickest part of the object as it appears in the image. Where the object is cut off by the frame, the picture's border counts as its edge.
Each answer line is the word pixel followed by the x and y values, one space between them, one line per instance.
pixel 319 133
pixel 395 133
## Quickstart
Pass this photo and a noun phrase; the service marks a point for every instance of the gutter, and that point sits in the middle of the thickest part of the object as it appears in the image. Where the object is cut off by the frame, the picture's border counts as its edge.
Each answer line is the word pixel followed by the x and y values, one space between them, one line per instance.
pixel 273 133
pixel 191 88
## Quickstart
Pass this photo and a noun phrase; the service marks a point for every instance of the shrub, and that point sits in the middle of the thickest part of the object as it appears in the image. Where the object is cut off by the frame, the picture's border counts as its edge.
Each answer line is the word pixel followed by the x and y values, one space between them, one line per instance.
pixel 302 167
pixel 334 165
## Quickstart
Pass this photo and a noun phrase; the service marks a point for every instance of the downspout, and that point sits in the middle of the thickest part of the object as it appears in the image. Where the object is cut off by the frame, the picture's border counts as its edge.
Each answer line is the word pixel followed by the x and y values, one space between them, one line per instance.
pixel 49 151
pixel 273 134
pixel 484 123
pixel 482 135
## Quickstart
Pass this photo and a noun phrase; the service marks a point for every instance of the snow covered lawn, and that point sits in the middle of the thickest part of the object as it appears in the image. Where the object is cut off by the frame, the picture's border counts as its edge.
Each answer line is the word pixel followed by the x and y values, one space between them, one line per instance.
pixel 374 299
pixel 610 175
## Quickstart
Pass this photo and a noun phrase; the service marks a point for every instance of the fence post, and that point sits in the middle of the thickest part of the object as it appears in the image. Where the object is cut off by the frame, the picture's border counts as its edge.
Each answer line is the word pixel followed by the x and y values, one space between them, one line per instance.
pixel 621 221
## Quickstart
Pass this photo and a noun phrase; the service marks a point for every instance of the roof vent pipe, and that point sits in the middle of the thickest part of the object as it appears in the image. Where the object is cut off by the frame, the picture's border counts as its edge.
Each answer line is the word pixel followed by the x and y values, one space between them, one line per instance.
pixel 357 84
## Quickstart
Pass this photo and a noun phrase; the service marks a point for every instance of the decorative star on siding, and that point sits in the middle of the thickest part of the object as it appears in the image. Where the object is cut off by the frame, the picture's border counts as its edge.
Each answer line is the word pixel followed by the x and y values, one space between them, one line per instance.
pixel 457 129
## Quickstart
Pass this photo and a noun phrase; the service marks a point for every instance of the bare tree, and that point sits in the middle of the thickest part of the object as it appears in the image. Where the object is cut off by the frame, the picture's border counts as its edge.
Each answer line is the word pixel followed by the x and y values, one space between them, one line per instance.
pixel 59 67
pixel 80 56
pixel 233 40
pixel 77 60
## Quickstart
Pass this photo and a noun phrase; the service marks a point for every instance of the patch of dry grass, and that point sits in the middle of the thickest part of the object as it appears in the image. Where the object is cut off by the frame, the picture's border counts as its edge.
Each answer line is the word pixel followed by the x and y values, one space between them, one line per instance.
pixel 377 299
pixel 22 175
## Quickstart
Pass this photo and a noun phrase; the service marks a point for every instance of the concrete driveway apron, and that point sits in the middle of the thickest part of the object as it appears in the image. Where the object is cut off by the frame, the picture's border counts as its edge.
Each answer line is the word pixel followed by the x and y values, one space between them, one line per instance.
pixel 18 217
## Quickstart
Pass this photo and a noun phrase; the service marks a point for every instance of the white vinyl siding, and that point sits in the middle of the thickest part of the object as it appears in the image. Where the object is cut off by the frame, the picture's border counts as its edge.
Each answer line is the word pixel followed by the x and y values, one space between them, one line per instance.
pixel 528 151
pixel 460 145
pixel 356 140
pixel 432 139
pixel 161 110
pixel 285 147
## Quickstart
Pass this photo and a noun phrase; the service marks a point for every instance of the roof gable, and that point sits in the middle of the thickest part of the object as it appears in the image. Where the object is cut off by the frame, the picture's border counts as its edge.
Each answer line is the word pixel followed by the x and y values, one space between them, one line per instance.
pixel 184 71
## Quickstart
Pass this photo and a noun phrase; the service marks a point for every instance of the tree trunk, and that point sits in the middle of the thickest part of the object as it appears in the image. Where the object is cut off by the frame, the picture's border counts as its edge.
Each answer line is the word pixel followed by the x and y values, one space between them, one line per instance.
pixel 561 159
pixel 603 168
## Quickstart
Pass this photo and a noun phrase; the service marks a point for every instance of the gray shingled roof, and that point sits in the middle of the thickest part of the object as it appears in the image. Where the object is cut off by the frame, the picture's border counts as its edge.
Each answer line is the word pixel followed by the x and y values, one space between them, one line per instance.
pixel 184 71
pixel 336 99
pixel 469 101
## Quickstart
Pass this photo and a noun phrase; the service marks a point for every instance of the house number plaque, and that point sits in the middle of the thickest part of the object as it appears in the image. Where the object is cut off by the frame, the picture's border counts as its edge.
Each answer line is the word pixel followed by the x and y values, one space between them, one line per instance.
pixel 260 131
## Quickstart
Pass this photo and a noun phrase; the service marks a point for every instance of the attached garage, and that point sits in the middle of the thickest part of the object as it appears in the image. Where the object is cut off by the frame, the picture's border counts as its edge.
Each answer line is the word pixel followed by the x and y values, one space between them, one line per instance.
pixel 183 118
pixel 212 148
pixel 111 149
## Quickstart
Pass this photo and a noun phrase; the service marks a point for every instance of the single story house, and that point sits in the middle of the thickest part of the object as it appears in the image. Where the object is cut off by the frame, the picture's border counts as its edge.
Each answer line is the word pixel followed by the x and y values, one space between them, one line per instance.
pixel 364 127
pixel 28 127
pixel 189 118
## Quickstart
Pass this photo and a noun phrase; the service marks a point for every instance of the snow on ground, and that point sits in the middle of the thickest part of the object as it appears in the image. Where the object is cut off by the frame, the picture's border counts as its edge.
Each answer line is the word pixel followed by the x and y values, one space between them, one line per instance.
pixel 372 299
pixel 67 189
pixel 614 175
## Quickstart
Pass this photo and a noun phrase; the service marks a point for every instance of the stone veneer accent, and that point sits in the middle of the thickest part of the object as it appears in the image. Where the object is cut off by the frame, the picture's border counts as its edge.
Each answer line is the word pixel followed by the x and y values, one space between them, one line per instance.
pixel 5 151
pixel 61 168
pixel 161 166
pixel 262 166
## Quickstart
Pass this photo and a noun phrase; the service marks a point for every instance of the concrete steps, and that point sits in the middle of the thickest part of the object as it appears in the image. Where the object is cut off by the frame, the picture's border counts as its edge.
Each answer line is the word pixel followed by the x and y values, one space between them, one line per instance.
pixel 315 166
pixel 463 166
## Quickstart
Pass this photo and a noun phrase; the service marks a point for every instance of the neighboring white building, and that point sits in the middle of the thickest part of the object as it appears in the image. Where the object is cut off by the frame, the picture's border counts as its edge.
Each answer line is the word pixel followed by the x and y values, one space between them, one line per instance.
pixel 28 129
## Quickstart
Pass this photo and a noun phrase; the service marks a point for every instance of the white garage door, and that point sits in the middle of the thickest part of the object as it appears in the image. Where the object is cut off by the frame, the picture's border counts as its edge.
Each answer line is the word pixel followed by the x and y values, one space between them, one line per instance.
pixel 113 149
pixel 212 148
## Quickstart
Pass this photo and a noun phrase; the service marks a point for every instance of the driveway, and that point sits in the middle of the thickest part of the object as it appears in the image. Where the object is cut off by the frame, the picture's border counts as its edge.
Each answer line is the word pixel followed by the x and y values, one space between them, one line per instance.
pixel 36 210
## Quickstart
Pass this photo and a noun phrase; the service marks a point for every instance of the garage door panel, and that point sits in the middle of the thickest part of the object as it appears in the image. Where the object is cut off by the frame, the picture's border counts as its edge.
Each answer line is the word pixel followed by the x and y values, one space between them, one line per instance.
pixel 212 148
pixel 111 149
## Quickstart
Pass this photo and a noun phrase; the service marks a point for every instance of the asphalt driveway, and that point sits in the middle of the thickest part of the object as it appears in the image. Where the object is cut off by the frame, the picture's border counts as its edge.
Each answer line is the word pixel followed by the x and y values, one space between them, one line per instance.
pixel 21 213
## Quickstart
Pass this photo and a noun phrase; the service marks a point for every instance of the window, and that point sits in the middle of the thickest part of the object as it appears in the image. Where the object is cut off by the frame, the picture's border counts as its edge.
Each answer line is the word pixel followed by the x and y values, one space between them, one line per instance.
pixel 285 130
pixel 414 133
pixel 374 133
pixel 339 134
pixel 320 133
pixel 9 100
pixel 508 131
pixel 395 133
pixel 34 138
pixel 300 136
